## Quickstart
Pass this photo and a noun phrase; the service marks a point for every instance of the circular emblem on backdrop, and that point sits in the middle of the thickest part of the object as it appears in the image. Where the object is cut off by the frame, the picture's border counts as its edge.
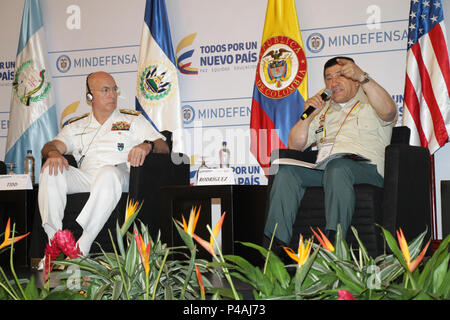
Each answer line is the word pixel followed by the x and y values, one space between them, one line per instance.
pixel 63 63
pixel 29 84
pixel 281 68
pixel 156 83
pixel 315 42
pixel 188 114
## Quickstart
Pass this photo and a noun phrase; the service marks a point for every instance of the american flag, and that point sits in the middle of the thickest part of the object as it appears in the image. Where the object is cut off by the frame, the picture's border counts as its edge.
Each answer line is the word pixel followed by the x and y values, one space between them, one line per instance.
pixel 427 84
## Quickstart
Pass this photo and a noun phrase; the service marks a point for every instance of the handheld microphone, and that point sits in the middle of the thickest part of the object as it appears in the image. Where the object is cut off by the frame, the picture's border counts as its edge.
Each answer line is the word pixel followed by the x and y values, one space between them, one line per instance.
pixel 325 95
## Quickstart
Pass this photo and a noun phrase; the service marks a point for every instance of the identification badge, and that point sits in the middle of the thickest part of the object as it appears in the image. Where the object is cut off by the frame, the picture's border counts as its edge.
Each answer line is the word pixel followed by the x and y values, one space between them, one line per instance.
pixel 324 151
pixel 320 130
pixel 120 146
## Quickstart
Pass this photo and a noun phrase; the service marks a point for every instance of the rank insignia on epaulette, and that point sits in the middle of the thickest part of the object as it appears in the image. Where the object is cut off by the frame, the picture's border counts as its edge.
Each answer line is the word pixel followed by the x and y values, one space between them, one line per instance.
pixel 120 126
pixel 131 112
pixel 78 118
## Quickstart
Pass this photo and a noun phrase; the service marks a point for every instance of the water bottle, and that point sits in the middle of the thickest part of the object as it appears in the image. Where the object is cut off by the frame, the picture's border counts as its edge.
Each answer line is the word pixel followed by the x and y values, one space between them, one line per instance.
pixel 224 156
pixel 29 165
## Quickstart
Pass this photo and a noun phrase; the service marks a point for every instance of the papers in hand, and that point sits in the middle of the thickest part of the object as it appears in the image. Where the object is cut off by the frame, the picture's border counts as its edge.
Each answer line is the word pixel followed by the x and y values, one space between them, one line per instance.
pixel 321 164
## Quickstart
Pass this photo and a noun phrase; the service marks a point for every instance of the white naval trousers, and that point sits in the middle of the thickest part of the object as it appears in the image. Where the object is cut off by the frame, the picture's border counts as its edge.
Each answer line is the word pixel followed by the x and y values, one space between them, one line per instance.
pixel 105 186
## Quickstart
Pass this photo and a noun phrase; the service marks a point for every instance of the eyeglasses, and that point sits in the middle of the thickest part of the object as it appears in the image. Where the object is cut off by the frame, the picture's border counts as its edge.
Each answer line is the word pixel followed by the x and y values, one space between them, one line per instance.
pixel 106 90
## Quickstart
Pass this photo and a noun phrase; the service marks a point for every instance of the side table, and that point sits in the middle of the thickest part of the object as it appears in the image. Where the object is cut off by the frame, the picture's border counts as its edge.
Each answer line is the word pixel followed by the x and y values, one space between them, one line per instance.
pixel 244 205
pixel 20 206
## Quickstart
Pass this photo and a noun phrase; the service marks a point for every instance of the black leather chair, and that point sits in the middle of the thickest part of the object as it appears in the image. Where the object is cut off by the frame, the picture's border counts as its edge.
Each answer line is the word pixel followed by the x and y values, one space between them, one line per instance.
pixel 404 202
pixel 158 170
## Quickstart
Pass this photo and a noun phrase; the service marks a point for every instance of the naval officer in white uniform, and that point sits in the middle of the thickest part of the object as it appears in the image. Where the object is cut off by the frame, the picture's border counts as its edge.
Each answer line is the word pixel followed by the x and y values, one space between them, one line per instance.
pixel 104 142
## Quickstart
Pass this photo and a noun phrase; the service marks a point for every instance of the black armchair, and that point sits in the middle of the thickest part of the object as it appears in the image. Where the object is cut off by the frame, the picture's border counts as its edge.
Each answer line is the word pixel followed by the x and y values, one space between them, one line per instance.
pixel 158 170
pixel 404 202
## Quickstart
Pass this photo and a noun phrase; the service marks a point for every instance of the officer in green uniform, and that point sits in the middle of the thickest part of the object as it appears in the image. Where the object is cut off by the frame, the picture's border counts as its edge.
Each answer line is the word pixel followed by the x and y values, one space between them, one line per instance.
pixel 358 119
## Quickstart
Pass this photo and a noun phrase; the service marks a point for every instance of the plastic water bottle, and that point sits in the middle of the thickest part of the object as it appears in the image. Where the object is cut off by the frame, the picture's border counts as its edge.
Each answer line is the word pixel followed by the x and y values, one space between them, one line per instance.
pixel 224 156
pixel 29 165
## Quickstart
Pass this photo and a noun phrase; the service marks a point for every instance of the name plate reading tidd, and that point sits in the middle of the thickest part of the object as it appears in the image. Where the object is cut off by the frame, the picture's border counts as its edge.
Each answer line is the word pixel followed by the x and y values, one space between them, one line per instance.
pixel 208 177
pixel 15 182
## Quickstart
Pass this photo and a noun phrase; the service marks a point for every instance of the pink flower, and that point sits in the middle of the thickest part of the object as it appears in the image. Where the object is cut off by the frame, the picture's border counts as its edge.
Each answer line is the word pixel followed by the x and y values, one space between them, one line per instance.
pixel 62 241
pixel 66 242
pixel 345 295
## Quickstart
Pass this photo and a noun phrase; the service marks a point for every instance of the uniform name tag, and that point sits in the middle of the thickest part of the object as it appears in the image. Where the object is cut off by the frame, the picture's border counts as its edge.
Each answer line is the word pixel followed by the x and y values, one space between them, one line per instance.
pixel 15 182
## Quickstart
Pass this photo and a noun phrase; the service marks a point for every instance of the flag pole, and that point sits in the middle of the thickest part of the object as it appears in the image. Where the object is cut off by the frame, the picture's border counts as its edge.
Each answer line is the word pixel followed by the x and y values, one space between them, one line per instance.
pixel 435 241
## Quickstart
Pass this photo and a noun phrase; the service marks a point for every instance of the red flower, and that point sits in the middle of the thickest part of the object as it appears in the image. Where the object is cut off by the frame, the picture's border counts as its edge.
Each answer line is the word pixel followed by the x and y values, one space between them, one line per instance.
pixel 66 242
pixel 62 241
pixel 345 295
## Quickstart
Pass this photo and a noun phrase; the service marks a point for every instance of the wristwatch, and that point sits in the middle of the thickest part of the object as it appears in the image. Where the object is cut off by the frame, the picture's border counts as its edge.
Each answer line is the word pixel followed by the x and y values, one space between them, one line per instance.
pixel 150 143
pixel 366 78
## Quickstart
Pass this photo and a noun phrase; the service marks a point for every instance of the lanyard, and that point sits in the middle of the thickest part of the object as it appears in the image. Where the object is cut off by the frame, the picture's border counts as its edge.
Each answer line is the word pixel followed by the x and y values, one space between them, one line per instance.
pixel 324 133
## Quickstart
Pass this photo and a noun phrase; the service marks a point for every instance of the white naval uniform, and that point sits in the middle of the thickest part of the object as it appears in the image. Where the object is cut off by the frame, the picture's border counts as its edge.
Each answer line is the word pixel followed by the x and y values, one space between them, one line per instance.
pixel 101 152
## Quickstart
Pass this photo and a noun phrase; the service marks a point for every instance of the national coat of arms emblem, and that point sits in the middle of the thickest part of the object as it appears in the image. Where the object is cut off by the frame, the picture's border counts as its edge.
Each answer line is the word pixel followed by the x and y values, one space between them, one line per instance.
pixel 153 84
pixel 281 68
pixel 29 84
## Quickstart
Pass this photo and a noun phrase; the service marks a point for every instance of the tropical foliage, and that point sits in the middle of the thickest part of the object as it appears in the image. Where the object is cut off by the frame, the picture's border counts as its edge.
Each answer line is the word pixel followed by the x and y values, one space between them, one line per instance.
pixel 144 268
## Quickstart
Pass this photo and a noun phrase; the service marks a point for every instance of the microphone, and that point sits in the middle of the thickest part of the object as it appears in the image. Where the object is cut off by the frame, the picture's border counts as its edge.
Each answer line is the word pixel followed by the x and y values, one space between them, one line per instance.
pixel 325 95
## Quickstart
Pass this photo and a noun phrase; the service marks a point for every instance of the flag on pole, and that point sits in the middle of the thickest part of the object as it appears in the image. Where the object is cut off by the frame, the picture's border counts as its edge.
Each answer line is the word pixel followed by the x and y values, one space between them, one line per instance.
pixel 427 84
pixel 158 96
pixel 32 118
pixel 281 83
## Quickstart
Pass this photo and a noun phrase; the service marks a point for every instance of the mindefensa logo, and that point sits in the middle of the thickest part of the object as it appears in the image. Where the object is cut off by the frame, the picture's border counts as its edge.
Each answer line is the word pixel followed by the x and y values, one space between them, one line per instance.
pixel 188 114
pixel 315 42
pixel 63 63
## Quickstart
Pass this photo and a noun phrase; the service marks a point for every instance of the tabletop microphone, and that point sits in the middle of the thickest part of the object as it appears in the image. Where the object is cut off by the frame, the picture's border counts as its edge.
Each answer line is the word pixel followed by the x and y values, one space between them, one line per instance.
pixel 325 95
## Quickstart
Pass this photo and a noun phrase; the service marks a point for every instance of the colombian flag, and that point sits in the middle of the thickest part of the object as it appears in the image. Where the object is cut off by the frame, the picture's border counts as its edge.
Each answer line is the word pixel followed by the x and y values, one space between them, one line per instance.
pixel 281 83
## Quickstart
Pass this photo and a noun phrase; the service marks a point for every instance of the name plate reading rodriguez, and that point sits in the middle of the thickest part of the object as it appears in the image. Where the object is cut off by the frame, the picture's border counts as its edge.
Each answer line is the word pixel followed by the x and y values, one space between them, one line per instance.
pixel 208 177
pixel 15 182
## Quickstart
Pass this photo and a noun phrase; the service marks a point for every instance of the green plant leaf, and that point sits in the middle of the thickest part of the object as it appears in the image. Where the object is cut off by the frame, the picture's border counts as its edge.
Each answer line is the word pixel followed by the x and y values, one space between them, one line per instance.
pixel 187 239
pixel 444 289
pixel 362 248
pixel 117 289
pixel 126 225
pixel 439 274
pixel 263 284
pixel 441 254
pixel 347 280
pixel 119 239
pixel 31 291
pixel 242 265
pixel 131 258
pixel 392 243
pixel 341 247
pixel 64 295
pixel 303 271
pixel 275 266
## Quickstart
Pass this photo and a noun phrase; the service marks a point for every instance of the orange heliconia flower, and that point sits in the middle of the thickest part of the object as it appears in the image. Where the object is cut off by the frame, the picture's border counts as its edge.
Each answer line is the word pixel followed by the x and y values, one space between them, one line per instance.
pixel 189 227
pixel 144 251
pixel 323 240
pixel 302 251
pixel 8 241
pixel 412 265
pixel 200 281
pixel 209 246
